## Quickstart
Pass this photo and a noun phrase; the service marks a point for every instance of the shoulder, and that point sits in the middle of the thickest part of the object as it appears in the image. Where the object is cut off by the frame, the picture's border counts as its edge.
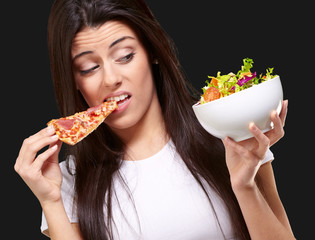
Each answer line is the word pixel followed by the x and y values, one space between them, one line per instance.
pixel 68 165
pixel 67 168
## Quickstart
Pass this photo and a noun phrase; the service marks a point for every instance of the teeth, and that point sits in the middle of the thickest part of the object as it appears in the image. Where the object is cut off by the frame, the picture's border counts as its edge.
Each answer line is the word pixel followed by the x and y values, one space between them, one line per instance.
pixel 117 98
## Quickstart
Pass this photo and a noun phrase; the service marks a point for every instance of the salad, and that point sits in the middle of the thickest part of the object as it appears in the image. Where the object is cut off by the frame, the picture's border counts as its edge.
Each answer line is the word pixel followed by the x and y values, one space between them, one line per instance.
pixel 225 85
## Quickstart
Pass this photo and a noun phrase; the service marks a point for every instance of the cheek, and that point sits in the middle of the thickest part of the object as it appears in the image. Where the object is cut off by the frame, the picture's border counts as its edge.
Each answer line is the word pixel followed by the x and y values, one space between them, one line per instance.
pixel 144 88
pixel 143 78
pixel 143 91
pixel 89 90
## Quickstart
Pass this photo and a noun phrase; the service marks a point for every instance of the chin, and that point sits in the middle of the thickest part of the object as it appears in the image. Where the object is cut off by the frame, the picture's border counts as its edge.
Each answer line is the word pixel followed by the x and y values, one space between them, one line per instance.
pixel 125 122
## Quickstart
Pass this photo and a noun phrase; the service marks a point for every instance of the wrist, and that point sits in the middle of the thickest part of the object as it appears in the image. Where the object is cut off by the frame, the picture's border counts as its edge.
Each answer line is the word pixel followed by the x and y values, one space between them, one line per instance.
pixel 51 204
pixel 244 189
pixel 58 222
pixel 239 184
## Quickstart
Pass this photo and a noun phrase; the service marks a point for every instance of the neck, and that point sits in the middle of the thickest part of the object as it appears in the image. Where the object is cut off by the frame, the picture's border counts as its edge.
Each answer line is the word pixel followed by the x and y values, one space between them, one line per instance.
pixel 147 137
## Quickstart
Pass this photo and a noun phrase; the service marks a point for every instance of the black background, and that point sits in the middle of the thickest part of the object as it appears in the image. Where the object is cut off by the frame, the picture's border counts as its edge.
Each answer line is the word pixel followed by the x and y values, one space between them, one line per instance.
pixel 210 36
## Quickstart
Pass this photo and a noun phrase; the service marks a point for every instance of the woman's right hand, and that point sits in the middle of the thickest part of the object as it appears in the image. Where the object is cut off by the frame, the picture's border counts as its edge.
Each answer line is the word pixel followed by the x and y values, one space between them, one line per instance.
pixel 41 172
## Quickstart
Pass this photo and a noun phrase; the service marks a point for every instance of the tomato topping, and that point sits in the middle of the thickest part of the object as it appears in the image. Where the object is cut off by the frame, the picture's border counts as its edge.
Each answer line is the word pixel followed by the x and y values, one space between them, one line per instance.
pixel 211 94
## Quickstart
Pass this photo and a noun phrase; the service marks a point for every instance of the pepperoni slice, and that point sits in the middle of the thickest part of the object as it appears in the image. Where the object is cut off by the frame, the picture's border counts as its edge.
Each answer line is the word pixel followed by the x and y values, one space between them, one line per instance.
pixel 94 110
pixel 66 123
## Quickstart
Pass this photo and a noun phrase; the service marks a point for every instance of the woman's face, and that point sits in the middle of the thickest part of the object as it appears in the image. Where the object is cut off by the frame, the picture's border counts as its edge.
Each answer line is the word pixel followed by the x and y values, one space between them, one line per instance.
pixel 110 63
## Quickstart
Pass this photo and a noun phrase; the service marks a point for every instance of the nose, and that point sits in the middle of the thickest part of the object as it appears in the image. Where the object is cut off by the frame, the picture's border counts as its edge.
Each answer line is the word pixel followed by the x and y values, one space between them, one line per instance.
pixel 111 78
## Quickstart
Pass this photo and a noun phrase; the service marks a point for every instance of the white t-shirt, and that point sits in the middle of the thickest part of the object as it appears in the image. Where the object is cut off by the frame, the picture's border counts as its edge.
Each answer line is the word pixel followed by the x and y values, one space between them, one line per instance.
pixel 168 201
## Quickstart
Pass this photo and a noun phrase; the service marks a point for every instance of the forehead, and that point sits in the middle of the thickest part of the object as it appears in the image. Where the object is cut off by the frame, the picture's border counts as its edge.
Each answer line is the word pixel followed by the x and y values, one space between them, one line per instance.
pixel 105 34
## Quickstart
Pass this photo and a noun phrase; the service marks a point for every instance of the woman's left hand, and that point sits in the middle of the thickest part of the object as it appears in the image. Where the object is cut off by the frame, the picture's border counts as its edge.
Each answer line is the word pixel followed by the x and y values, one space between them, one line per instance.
pixel 244 158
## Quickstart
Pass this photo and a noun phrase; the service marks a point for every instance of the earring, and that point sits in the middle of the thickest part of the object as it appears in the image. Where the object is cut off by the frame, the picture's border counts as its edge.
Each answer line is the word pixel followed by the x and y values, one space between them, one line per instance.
pixel 155 61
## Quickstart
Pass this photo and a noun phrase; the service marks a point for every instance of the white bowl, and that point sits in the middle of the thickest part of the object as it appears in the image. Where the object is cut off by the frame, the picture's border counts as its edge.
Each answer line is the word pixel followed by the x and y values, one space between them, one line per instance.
pixel 231 115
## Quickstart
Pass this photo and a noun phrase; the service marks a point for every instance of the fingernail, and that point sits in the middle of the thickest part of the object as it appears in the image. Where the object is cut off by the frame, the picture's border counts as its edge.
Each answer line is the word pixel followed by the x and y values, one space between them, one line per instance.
pixel 274 113
pixel 53 148
pixel 54 137
pixel 50 129
pixel 253 126
pixel 226 139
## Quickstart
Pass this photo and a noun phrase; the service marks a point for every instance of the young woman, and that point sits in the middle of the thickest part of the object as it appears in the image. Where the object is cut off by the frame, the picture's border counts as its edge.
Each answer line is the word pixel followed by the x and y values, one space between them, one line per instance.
pixel 150 171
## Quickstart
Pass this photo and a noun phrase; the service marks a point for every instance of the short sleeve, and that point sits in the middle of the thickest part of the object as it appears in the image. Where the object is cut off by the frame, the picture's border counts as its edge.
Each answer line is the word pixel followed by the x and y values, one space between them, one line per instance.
pixel 67 194
pixel 269 157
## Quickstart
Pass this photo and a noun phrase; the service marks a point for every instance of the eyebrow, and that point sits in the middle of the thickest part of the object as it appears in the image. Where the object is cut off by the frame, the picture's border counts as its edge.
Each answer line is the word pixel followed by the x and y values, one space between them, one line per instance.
pixel 110 46
pixel 81 54
pixel 119 40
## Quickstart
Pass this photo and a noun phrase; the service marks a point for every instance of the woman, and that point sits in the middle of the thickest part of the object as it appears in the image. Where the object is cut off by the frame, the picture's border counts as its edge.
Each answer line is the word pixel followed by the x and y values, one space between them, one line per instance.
pixel 151 171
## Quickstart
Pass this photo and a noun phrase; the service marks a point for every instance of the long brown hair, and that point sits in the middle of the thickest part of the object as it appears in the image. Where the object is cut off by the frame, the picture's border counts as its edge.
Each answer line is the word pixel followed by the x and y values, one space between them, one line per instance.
pixel 98 157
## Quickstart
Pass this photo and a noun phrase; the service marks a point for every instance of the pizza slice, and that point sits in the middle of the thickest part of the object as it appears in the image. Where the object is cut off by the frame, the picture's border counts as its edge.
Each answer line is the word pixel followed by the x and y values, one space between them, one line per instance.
pixel 73 129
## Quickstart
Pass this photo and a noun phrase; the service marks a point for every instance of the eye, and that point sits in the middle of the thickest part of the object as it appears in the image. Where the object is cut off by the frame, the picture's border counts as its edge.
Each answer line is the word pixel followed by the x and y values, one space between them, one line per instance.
pixel 84 72
pixel 126 58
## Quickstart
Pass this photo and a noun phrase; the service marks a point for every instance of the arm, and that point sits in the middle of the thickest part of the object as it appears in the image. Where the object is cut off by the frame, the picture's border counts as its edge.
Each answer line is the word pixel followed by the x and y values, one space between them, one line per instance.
pixel 59 226
pixel 268 189
pixel 43 176
pixel 261 207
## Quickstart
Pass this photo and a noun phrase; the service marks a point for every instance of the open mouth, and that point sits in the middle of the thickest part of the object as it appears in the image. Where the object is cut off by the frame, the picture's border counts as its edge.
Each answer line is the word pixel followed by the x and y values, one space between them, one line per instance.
pixel 121 99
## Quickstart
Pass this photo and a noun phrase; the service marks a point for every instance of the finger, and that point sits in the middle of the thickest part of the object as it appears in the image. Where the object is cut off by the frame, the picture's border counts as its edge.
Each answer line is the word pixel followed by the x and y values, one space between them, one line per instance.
pixel 277 122
pixel 284 112
pixel 54 157
pixel 262 139
pixel 48 131
pixel 30 148
pixel 41 158
pixel 277 132
pixel 37 146
pixel 231 145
